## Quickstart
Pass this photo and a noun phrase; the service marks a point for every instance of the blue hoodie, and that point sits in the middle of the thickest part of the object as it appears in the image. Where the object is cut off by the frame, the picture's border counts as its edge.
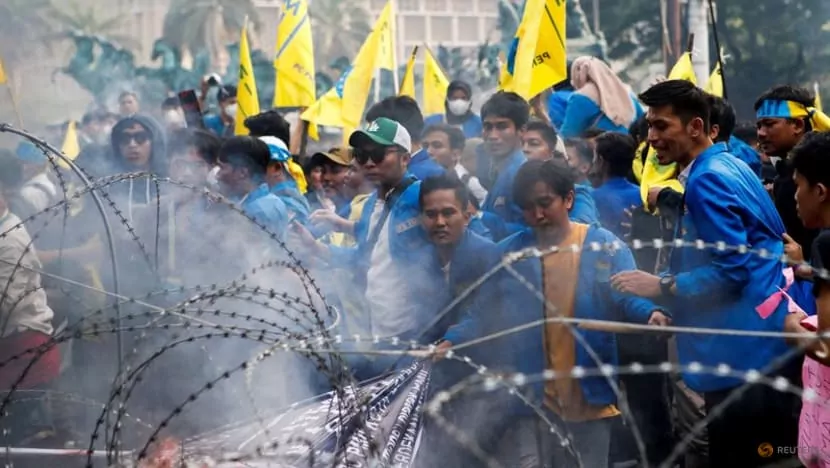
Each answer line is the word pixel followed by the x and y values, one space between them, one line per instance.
pixel 582 113
pixel 726 203
pixel 267 209
pixel 501 214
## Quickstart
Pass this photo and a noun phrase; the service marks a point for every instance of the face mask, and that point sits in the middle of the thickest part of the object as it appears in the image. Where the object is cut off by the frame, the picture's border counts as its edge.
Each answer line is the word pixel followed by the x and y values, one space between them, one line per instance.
pixel 230 110
pixel 459 106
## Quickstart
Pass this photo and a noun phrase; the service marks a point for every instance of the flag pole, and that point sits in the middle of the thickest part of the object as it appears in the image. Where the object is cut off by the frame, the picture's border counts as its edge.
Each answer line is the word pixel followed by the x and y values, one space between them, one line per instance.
pixel 717 46
pixel 394 24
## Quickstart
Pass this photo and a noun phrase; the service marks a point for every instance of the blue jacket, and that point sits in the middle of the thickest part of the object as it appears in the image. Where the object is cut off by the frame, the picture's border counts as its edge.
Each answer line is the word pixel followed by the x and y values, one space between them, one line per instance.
pixel 594 299
pixel 584 209
pixel 409 248
pixel 295 202
pixel 506 217
pixel 746 154
pixel 558 106
pixel 612 198
pixel 583 113
pixel 422 166
pixel 266 208
pixel 471 125
pixel 725 202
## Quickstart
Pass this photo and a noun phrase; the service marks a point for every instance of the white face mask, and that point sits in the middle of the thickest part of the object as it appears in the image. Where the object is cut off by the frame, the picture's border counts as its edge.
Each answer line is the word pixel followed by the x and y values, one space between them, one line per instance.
pixel 230 110
pixel 459 107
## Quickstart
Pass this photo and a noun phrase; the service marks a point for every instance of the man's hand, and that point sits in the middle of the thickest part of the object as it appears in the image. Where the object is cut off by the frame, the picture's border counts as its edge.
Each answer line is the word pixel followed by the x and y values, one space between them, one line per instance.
pixel 306 240
pixel 793 250
pixel 659 319
pixel 441 350
pixel 327 218
pixel 638 283
pixel 653 192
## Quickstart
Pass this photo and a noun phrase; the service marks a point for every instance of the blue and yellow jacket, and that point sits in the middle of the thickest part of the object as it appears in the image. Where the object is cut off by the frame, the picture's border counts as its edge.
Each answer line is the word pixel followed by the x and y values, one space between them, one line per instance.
pixel 594 299
pixel 726 204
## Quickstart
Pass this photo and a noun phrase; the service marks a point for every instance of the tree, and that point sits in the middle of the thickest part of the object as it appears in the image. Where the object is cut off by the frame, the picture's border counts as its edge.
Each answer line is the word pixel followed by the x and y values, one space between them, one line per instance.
pixel 77 19
pixel 339 28
pixel 199 25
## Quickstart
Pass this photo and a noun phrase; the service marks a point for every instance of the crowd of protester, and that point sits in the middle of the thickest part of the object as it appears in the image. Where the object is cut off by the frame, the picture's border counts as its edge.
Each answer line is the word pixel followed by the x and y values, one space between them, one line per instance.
pixel 415 210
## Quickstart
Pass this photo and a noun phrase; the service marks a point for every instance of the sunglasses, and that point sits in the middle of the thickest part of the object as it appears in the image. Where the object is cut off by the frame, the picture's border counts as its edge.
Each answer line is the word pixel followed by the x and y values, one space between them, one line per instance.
pixel 139 138
pixel 377 154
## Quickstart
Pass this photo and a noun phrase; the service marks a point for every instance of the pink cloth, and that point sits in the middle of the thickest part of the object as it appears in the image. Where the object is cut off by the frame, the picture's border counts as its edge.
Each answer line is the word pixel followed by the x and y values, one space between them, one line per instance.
pixel 813 438
pixel 771 303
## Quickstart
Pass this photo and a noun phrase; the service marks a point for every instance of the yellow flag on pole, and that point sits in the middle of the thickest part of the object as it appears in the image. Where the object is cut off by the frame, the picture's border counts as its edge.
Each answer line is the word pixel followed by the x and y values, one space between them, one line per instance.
pixel 537 58
pixel 683 69
pixel 408 80
pixel 715 84
pixel 3 77
pixel 294 61
pixel 435 85
pixel 343 105
pixel 385 28
pixel 246 93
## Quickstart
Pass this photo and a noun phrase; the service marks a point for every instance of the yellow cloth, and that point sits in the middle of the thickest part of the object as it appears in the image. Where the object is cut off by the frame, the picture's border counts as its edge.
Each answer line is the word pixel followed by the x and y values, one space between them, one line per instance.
pixel 560 273
pixel 340 239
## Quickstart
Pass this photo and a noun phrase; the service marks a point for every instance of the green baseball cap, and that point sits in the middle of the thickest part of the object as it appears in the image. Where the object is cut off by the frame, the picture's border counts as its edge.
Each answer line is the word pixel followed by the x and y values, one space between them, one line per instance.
pixel 384 132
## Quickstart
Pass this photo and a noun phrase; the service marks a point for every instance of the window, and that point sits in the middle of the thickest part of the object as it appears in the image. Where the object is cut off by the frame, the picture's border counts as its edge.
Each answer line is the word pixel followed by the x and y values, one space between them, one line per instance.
pixel 409 5
pixel 462 6
pixel 468 29
pixel 436 5
pixel 414 28
pixel 441 29
pixel 488 6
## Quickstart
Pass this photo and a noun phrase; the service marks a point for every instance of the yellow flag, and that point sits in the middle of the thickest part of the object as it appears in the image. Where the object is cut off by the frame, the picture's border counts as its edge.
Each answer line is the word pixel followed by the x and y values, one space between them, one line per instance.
pixel 537 58
pixel 408 80
pixel 294 62
pixel 435 85
pixel 246 94
pixel 683 69
pixel 385 28
pixel 817 104
pixel 3 77
pixel 715 84
pixel 71 147
pixel 343 105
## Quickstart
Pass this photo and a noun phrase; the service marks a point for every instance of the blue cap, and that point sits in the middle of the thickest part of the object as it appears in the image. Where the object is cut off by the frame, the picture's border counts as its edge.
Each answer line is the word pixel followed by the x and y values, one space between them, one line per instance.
pixel 279 150
pixel 27 152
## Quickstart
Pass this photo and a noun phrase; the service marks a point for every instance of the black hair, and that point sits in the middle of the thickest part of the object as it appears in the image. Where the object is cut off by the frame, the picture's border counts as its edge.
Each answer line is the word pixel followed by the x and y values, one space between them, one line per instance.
pixel 226 92
pixel 509 105
pixel 462 85
pixel 639 129
pixel 722 114
pixel 269 123
pixel 127 93
pixel 809 158
pixel 401 109
pixel 591 133
pixel 687 101
pixel 206 143
pixel 446 181
pixel 560 177
pixel 454 135
pixel 247 152
pixel 547 132
pixel 797 94
pixel 583 149
pixel 172 101
pixel 617 150
pixel 746 131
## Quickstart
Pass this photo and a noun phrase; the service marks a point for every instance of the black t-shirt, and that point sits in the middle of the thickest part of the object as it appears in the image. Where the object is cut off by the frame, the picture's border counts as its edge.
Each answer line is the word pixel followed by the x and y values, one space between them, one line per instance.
pixel 820 260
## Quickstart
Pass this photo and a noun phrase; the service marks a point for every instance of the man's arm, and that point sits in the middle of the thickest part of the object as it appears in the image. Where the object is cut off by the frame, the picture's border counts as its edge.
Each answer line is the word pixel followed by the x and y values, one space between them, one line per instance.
pixel 716 213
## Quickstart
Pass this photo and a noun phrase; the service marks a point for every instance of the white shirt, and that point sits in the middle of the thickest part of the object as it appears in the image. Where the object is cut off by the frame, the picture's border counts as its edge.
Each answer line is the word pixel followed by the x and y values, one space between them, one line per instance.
pixel 684 175
pixel 392 312
pixel 39 191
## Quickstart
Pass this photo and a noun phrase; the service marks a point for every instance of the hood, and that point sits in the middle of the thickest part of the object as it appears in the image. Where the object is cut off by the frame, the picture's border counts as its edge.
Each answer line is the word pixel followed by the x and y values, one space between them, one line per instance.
pixel 158 155
pixel 453 119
